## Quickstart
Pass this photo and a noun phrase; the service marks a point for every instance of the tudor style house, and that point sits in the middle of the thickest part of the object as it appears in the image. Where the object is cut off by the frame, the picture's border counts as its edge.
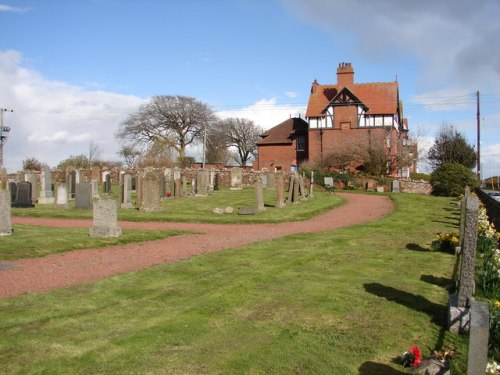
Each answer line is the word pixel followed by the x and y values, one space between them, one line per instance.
pixel 342 119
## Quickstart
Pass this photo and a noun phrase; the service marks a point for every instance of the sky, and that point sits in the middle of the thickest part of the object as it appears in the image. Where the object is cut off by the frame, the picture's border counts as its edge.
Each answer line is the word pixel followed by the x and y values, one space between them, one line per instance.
pixel 72 71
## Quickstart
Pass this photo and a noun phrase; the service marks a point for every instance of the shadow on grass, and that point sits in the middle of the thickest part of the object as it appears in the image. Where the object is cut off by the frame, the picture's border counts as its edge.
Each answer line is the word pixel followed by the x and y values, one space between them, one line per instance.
pixel 374 368
pixel 417 247
pixel 436 312
pixel 442 282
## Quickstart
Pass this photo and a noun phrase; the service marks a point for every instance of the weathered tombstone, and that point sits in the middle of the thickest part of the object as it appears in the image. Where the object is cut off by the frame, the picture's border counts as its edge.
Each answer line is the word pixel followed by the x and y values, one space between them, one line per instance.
pixel 247 211
pixel 71 182
pixel 280 190
pixel 302 190
pixel 263 179
pixel 259 195
pixel 23 195
pixel 5 222
pixel 177 173
pixel 107 184
pixel 151 201
pixel 138 189
pixel 201 183
pixel 459 304
pixel 83 195
pixel 211 180
pixel 466 286
pixel 478 338
pixel 271 180
pixel 62 196
pixel 236 178
pixel 46 194
pixel 31 178
pixel 290 189
pixel 95 191
pixel 328 182
pixel 395 186
pixel 126 192
pixel 177 188
pixel 105 219
pixel 184 186
pixel 13 191
pixel 163 185
pixel 216 181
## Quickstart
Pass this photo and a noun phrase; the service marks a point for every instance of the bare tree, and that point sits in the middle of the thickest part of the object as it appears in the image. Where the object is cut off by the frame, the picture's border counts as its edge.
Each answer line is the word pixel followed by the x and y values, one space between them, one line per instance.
pixel 94 153
pixel 217 150
pixel 131 156
pixel 173 121
pixel 242 134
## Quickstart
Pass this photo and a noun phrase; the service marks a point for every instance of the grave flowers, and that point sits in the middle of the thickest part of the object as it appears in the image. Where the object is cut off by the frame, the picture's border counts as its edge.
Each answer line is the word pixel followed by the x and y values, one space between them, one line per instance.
pixel 412 358
pixel 445 242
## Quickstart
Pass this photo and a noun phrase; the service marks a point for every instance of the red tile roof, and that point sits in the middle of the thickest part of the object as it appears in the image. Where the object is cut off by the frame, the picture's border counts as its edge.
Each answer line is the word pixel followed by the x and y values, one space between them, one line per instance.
pixel 379 97
pixel 282 133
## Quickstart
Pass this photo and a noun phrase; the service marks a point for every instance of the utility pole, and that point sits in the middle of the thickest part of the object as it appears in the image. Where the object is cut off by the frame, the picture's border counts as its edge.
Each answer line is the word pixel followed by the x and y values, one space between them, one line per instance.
pixel 4 133
pixel 478 140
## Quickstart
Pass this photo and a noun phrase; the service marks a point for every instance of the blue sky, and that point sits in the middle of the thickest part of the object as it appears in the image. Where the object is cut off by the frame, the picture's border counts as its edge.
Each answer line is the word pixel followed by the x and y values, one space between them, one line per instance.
pixel 73 70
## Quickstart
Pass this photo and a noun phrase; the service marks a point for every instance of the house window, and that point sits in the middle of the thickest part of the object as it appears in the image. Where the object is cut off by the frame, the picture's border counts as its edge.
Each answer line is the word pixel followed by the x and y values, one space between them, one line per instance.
pixel 301 143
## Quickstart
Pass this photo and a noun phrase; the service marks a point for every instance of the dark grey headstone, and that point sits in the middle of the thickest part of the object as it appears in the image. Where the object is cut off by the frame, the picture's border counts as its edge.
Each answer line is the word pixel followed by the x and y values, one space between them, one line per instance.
pixel 478 338
pixel 23 195
pixel 247 211
pixel 83 195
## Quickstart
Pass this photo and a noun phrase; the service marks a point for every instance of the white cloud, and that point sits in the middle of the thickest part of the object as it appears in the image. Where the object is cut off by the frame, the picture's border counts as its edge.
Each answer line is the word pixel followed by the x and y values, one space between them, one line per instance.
pixel 53 120
pixel 265 113
pixel 8 8
pixel 291 94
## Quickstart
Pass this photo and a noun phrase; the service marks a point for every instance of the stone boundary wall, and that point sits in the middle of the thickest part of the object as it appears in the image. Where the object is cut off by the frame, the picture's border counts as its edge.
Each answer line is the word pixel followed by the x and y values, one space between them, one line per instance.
pixel 415 187
pixel 492 207
pixel 249 176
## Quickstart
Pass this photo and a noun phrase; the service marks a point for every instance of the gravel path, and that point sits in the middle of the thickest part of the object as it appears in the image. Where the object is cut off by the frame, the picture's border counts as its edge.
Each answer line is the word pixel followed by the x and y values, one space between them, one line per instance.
pixel 79 266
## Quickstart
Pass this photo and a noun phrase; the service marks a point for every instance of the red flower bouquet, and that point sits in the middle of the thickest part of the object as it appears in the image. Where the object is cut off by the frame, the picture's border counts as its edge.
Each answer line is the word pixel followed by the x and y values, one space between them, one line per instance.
pixel 412 358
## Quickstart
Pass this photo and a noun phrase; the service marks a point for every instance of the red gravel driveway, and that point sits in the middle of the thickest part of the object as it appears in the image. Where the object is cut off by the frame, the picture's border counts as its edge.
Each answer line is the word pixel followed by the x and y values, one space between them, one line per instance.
pixel 79 266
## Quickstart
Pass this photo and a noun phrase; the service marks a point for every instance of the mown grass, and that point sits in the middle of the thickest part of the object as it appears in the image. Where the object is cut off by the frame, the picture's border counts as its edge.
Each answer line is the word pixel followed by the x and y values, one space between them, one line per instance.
pixel 29 241
pixel 199 209
pixel 347 301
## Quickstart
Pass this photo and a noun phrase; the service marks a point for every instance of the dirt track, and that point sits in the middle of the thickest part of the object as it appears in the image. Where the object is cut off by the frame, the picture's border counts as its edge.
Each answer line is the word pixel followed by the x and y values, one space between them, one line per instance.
pixel 65 269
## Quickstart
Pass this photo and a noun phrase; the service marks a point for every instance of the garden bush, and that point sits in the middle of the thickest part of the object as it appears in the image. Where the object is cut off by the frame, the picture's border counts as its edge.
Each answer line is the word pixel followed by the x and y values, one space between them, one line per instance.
pixel 451 179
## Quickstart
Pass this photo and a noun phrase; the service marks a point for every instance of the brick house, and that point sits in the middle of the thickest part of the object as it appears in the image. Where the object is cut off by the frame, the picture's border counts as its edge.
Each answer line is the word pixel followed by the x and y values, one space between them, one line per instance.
pixel 345 120
pixel 284 146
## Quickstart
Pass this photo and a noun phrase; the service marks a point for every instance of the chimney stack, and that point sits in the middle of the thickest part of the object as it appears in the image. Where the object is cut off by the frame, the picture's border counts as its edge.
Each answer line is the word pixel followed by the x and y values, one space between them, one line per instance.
pixel 314 87
pixel 345 74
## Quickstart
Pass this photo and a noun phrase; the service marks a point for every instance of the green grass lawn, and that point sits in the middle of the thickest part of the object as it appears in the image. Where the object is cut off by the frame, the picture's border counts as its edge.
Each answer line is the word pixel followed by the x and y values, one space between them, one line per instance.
pixel 199 209
pixel 30 241
pixel 347 301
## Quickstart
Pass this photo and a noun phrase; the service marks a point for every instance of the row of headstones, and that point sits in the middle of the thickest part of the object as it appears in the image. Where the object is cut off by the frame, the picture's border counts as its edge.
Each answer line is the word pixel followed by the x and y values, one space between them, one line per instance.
pixel 465 313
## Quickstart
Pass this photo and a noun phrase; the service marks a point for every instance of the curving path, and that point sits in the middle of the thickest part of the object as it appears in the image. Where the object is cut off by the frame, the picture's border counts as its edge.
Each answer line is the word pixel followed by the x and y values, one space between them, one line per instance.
pixel 79 266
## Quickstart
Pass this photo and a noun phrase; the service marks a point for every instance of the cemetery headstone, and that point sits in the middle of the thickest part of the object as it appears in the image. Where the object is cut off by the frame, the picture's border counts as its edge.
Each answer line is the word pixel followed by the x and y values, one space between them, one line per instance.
pixel 31 178
pixel 271 180
pixel 236 178
pixel 23 195
pixel 395 186
pixel 184 186
pixel 126 192
pixel 138 189
pixel 201 183
pixel 71 182
pixel 107 184
pixel 263 179
pixel 177 188
pixel 259 195
pixel 151 201
pixel 311 186
pixel 302 191
pixel 95 191
pixel 62 196
pixel 46 194
pixel 105 219
pixel 280 190
pixel 83 195
pixel 13 191
pixel 211 180
pixel 5 222
pixel 478 338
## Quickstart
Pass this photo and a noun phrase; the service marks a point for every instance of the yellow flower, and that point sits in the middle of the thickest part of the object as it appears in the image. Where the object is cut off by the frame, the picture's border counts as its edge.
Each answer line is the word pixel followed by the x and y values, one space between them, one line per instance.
pixel 497 304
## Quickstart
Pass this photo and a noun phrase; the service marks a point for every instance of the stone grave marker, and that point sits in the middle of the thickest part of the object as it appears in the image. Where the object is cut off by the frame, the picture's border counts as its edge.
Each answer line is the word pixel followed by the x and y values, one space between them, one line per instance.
pixel 107 184
pixel 138 189
pixel 302 190
pixel 31 178
pixel 83 195
pixel 211 180
pixel 62 196
pixel 201 183
pixel 259 195
pixel 395 186
pixel 95 191
pixel 263 179
pixel 46 194
pixel 236 178
pixel 151 200
pixel 5 222
pixel 271 180
pixel 13 191
pixel 177 188
pixel 184 190
pixel 477 358
pixel 311 186
pixel 105 219
pixel 23 195
pixel 280 190
pixel 71 182
pixel 126 192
